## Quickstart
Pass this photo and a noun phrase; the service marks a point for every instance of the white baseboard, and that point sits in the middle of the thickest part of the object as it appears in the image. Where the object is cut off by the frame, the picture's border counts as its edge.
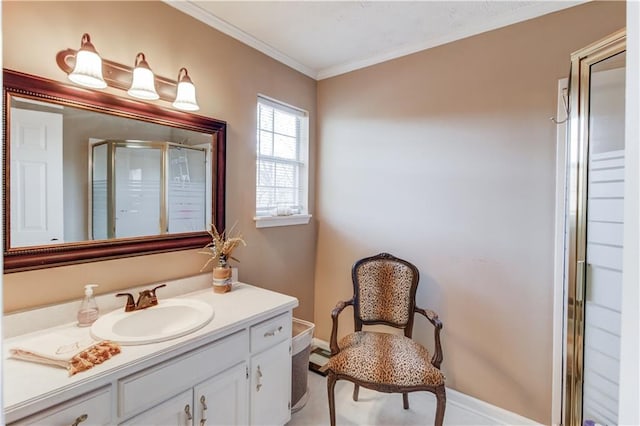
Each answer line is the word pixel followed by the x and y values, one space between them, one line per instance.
pixel 317 343
pixel 495 415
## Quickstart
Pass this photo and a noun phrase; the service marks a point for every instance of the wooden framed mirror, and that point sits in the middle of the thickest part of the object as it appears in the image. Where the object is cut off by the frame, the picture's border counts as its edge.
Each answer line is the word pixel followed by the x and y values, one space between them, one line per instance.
pixel 55 201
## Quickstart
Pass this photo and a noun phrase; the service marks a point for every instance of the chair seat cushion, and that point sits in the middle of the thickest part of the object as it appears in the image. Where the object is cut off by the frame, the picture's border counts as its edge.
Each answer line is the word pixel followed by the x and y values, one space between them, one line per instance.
pixel 384 358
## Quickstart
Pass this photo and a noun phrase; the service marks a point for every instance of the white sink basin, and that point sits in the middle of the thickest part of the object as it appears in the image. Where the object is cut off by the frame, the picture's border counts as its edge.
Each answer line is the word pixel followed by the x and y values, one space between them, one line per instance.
pixel 169 319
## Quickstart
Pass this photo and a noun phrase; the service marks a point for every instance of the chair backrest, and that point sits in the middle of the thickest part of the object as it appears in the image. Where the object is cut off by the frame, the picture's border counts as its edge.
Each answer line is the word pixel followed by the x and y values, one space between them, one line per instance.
pixel 384 288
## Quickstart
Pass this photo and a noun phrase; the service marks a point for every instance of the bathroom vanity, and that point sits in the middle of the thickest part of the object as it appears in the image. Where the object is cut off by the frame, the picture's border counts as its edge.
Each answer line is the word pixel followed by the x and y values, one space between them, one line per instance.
pixel 236 370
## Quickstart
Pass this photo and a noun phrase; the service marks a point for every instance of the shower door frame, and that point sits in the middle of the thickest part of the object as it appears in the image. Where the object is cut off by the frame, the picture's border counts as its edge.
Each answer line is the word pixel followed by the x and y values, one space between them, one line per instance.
pixel 577 166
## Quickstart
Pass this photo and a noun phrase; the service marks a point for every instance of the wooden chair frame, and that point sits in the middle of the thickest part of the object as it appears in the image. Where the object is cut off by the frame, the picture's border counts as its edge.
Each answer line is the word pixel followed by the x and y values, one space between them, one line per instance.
pixel 431 316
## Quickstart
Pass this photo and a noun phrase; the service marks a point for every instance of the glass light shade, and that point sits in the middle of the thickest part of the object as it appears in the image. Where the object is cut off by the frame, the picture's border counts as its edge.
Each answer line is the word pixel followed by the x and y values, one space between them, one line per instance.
pixel 143 84
pixel 88 70
pixel 186 97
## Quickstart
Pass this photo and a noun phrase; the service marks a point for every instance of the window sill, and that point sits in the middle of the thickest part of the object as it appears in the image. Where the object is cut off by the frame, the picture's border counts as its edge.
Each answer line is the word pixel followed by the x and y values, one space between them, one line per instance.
pixel 271 221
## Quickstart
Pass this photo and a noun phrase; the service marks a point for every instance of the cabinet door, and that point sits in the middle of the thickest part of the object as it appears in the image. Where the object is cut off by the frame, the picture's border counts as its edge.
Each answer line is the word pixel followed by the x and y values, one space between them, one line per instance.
pixel 176 411
pixel 151 386
pixel 222 400
pixel 271 385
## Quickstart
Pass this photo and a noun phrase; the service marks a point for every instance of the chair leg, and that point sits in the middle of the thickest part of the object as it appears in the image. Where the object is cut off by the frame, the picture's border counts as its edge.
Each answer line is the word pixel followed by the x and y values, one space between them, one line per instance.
pixel 356 390
pixel 331 384
pixel 441 398
pixel 405 400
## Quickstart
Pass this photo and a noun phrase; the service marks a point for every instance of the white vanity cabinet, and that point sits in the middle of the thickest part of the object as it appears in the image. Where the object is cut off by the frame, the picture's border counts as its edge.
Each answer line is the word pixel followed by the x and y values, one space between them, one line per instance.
pixel 215 392
pixel 271 371
pixel 148 388
pixel 236 371
pixel 219 401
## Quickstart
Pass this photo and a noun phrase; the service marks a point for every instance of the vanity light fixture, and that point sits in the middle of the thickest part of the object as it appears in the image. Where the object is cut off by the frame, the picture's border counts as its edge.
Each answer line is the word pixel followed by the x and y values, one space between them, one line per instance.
pixel 88 67
pixel 186 92
pixel 143 85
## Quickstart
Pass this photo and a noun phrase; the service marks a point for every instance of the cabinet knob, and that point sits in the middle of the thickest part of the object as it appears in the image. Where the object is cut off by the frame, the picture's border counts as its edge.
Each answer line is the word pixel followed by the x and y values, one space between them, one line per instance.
pixel 80 419
pixel 187 411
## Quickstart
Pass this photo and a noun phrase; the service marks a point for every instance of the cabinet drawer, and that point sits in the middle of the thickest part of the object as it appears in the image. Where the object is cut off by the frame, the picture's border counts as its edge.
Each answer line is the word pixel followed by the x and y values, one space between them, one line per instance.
pixel 174 412
pixel 96 406
pixel 154 385
pixel 270 332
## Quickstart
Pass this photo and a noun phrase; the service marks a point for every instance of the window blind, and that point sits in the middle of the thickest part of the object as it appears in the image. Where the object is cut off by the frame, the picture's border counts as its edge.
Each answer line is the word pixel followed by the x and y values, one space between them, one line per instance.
pixel 281 159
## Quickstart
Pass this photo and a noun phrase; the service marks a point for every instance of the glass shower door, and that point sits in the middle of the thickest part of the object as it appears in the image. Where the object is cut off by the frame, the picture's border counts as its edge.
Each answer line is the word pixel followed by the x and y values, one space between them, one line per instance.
pixel 596 222
pixel 186 188
pixel 605 223
pixel 142 188
pixel 138 177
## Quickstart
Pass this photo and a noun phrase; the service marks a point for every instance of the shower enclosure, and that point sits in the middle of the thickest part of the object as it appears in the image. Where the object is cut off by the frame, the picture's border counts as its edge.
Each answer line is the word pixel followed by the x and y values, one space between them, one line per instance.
pixel 142 188
pixel 595 219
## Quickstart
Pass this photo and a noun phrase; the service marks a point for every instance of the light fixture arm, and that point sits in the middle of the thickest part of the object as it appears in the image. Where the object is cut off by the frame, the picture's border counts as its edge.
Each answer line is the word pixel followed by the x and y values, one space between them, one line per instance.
pixel 118 75
pixel 183 75
pixel 141 61
pixel 85 43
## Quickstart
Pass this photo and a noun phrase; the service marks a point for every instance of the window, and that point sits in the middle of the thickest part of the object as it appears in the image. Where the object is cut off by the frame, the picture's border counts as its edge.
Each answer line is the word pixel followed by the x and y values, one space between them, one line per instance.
pixel 282 170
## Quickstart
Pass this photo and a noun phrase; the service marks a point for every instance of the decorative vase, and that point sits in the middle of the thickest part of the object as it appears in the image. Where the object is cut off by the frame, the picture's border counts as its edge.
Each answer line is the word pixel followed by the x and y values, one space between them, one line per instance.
pixel 222 277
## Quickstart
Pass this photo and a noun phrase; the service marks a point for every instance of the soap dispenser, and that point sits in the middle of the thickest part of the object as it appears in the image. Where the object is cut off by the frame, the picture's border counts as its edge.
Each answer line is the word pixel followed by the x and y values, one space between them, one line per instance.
pixel 88 312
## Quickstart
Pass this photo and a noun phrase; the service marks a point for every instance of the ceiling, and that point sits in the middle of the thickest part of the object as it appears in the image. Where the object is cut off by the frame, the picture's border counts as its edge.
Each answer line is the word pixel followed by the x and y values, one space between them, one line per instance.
pixel 326 38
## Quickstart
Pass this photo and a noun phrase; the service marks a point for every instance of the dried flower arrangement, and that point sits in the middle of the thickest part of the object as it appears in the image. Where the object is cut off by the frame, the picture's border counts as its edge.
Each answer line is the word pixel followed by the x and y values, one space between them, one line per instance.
pixel 221 246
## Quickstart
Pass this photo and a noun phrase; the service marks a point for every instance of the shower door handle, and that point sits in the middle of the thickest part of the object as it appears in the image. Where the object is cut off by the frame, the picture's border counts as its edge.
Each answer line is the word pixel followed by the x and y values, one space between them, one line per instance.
pixel 581 280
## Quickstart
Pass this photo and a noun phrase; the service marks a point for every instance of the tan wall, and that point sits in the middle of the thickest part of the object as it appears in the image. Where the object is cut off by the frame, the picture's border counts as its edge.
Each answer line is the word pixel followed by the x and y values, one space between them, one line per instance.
pixel 228 76
pixel 447 158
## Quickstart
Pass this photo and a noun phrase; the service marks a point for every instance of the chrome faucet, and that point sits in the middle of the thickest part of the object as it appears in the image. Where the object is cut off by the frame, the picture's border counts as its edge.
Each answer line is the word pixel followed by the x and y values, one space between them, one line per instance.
pixel 146 299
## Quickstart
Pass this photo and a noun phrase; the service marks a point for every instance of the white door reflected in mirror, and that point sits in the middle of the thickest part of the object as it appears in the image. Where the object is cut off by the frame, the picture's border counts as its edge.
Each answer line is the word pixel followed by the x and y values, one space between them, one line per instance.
pixel 36 178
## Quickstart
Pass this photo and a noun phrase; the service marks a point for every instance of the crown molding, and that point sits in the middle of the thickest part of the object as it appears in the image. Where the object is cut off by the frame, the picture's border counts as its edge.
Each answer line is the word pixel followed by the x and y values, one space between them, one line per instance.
pixel 518 15
pixel 223 26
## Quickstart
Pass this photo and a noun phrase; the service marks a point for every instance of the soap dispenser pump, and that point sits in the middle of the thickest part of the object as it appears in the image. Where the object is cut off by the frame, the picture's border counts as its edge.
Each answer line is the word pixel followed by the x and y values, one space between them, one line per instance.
pixel 88 312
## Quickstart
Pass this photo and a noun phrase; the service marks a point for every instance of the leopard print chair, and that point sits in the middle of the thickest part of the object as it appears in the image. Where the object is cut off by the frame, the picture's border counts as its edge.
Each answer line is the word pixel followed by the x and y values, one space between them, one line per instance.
pixel 384 290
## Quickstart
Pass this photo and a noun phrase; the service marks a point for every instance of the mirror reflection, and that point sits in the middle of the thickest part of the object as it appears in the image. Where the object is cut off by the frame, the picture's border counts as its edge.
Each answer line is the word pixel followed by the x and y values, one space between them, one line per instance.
pixel 79 175
pixel 143 188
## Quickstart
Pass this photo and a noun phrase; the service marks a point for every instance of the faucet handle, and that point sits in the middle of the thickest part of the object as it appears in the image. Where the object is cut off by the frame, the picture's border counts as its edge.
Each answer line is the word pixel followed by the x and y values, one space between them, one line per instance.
pixel 152 293
pixel 131 305
pixel 147 298
pixel 153 290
